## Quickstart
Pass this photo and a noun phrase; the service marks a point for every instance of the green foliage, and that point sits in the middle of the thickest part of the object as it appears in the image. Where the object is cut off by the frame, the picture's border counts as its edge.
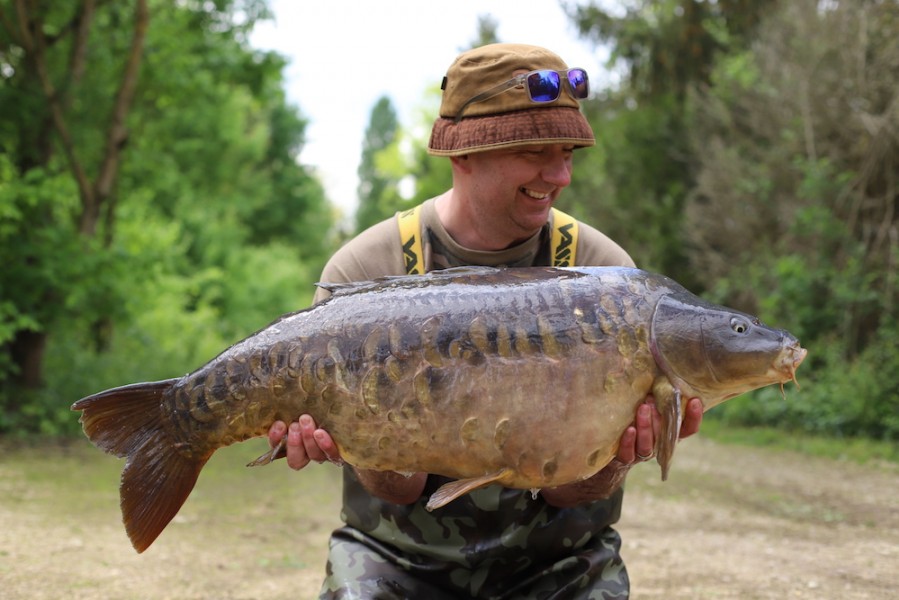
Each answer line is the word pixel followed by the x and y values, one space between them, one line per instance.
pixel 641 173
pixel 751 154
pixel 752 158
pixel 408 174
pixel 635 184
pixel 846 391
pixel 212 229
pixel 861 450
pixel 377 184
pixel 44 259
pixel 792 211
pixel 432 175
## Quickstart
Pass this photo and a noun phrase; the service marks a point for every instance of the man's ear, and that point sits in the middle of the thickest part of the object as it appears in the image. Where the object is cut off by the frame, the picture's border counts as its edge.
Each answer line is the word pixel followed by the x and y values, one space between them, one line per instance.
pixel 460 162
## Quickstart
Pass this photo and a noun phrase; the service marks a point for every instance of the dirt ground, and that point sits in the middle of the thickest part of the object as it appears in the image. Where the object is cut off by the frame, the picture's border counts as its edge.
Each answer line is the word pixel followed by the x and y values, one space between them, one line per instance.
pixel 731 522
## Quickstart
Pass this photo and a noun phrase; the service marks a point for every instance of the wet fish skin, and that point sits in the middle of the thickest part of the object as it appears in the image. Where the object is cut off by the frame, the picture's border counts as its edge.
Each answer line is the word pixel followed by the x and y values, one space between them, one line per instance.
pixel 524 377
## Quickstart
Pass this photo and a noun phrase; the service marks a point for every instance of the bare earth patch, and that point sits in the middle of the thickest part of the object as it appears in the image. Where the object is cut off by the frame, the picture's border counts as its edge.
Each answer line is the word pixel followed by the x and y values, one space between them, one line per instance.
pixel 731 522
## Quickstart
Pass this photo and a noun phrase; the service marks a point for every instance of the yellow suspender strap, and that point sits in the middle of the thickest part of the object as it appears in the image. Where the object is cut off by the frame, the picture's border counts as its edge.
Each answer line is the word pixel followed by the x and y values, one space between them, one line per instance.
pixel 564 239
pixel 410 237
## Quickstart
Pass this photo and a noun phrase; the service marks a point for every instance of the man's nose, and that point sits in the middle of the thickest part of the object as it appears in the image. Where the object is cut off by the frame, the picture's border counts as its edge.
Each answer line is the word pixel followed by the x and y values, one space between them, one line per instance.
pixel 557 171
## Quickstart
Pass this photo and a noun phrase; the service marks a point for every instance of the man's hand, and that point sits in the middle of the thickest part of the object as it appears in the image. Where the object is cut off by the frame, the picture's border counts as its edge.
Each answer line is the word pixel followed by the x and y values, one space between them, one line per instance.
pixel 305 442
pixel 638 441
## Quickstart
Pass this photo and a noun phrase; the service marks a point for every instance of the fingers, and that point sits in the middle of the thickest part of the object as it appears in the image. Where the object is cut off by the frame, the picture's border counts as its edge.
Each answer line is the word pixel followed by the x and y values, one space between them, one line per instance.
pixel 276 433
pixel 307 429
pixel 638 441
pixel 648 424
pixel 626 453
pixel 307 443
pixel 692 418
pixel 328 447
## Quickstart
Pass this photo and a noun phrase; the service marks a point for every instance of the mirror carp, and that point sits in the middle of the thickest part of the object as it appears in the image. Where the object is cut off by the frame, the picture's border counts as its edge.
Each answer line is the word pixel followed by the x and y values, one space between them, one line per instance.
pixel 523 377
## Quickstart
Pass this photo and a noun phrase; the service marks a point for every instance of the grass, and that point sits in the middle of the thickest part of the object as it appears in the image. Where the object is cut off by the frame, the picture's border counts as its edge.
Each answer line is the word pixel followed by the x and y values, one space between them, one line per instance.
pixel 240 527
pixel 263 532
pixel 38 473
pixel 858 450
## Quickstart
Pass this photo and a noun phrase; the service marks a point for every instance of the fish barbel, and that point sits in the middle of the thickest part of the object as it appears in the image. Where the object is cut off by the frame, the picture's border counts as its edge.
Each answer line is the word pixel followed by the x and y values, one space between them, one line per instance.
pixel 522 377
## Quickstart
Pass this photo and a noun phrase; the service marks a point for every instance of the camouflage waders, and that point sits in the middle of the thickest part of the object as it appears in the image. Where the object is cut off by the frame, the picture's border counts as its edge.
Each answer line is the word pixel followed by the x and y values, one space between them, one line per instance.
pixel 495 543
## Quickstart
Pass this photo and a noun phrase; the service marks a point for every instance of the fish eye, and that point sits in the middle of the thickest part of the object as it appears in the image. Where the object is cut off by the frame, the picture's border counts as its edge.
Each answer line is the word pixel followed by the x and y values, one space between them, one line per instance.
pixel 739 325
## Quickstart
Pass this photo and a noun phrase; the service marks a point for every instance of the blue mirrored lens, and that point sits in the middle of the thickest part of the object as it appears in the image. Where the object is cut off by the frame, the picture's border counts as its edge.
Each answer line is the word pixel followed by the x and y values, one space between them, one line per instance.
pixel 544 86
pixel 579 86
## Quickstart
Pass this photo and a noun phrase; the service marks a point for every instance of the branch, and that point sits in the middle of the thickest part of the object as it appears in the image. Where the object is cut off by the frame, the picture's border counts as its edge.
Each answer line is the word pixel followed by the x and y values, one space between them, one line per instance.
pixel 117 134
pixel 8 25
pixel 83 19
pixel 32 31
pixel 64 30
pixel 25 40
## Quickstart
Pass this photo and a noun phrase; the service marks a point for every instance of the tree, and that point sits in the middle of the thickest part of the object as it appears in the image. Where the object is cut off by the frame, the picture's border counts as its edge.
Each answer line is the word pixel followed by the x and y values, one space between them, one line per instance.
pixel 150 195
pixel 794 146
pixel 638 192
pixel 375 186
pixel 797 149
pixel 487 26
pixel 38 43
pixel 406 158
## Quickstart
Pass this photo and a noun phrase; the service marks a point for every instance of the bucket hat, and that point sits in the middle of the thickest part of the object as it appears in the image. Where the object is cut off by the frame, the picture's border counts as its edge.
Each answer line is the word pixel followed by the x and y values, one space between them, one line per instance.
pixel 509 118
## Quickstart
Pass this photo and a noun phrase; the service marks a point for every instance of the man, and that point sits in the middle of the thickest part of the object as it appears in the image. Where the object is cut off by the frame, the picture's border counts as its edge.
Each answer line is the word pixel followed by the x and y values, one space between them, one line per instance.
pixel 509 123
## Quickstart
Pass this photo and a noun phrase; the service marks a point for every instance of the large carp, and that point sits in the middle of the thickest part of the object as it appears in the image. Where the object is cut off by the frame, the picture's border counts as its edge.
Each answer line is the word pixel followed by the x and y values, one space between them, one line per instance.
pixel 522 377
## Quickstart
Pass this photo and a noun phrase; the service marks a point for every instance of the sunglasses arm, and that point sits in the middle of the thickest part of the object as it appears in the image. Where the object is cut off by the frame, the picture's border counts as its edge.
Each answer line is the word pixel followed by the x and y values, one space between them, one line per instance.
pixel 494 91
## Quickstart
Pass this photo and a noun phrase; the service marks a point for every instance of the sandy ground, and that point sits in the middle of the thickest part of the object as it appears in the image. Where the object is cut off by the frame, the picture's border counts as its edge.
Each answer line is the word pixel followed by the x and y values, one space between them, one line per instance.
pixel 731 522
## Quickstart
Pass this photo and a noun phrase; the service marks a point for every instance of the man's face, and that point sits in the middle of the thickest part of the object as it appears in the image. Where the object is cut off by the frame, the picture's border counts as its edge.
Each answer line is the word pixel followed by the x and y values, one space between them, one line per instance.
pixel 514 189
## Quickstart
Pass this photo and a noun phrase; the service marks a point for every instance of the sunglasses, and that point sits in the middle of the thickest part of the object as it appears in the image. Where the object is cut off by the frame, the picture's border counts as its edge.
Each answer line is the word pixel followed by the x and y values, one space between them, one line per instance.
pixel 543 85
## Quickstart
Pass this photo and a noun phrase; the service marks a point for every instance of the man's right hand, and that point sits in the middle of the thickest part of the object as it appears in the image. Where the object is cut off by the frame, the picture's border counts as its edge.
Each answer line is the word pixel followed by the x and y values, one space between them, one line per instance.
pixel 305 442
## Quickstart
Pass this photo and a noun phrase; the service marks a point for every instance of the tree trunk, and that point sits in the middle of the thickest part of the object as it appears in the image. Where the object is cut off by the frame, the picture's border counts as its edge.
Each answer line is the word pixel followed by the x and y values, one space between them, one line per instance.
pixel 28 355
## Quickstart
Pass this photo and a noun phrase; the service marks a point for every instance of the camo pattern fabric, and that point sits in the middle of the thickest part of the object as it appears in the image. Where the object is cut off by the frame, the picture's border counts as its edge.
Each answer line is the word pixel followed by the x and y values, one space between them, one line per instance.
pixel 496 543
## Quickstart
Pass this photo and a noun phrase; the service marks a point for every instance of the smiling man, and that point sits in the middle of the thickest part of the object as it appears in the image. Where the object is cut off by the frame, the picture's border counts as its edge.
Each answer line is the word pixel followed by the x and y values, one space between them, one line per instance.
pixel 509 123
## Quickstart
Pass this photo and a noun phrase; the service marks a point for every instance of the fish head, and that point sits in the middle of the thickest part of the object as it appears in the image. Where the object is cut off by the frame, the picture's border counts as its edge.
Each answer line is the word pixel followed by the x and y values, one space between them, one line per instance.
pixel 717 353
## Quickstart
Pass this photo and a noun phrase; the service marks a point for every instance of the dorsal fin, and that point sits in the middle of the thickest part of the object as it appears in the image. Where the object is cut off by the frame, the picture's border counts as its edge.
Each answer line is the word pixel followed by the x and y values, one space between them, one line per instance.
pixel 340 288
pixel 353 287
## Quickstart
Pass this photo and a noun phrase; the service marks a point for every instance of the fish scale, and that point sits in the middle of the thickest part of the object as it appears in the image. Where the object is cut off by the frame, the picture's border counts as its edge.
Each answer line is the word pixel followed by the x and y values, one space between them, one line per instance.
pixel 521 377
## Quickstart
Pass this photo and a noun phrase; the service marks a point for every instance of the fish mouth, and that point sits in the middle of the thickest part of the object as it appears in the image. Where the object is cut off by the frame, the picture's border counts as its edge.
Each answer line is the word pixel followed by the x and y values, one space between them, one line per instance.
pixel 787 363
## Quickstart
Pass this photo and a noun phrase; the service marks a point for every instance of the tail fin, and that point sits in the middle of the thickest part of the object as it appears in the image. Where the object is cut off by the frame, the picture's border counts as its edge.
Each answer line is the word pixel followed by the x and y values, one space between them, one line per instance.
pixel 128 422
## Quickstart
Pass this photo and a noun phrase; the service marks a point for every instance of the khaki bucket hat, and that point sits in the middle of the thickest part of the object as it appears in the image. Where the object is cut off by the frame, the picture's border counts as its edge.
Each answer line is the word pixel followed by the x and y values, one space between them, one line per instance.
pixel 508 118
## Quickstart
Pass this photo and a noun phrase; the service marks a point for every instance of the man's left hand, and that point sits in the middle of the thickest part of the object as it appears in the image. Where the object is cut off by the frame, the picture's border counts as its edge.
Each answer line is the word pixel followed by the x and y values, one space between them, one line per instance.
pixel 638 441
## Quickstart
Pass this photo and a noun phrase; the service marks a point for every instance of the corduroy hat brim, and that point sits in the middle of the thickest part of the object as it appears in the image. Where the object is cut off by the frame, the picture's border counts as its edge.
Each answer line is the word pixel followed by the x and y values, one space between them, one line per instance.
pixel 545 125
pixel 508 118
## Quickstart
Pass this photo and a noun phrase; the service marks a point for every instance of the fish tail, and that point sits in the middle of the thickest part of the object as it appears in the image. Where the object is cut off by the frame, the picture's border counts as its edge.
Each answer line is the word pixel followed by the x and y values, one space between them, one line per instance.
pixel 129 423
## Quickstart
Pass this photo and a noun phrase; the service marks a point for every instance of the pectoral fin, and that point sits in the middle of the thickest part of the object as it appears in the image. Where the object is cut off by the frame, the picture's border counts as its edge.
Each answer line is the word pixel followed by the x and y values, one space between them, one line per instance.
pixel 279 451
pixel 454 489
pixel 669 403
